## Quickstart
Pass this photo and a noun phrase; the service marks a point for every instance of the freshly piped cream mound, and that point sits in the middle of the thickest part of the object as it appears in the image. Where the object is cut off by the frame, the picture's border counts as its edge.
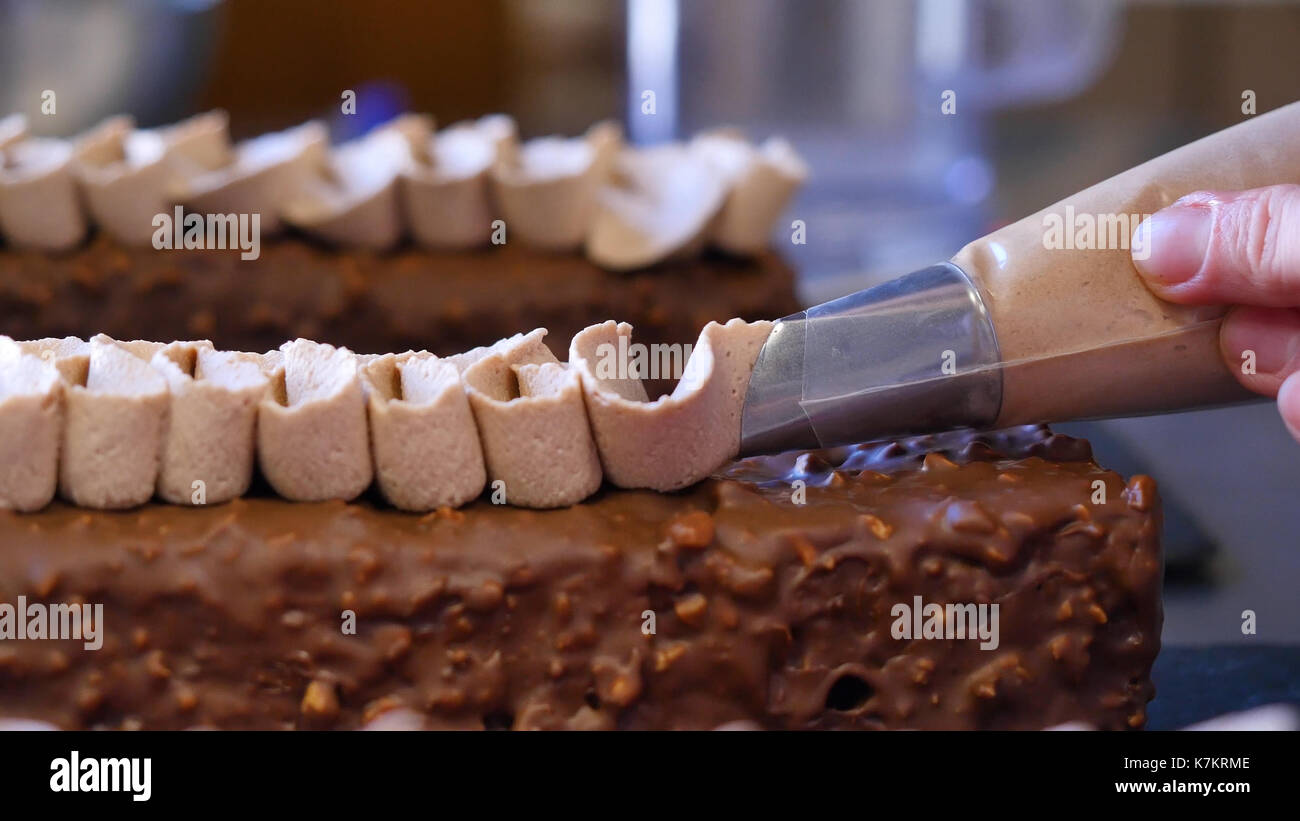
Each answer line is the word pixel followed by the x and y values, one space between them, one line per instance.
pixel 209 448
pixel 426 447
pixel 262 175
pixel 678 439
pixel 129 176
pixel 313 442
pixel 113 431
pixel 446 193
pixel 469 185
pixel 40 205
pixel 120 422
pixel 532 423
pixel 547 190
pixel 353 197
pixel 31 422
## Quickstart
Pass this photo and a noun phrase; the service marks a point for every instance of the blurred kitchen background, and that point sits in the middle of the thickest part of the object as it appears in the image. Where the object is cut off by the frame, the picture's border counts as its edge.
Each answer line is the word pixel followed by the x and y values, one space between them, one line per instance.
pixel 1050 97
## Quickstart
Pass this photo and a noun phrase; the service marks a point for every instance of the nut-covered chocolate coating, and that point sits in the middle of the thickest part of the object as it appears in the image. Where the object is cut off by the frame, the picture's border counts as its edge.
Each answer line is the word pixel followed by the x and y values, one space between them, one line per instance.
pixel 232 616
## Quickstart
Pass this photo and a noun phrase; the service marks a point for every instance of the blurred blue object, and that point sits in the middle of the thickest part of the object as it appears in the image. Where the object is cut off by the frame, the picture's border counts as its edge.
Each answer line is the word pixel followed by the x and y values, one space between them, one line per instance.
pixel 377 102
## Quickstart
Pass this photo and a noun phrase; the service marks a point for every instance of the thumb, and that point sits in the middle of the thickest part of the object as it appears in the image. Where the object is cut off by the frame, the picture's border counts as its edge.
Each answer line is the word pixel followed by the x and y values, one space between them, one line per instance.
pixel 1224 247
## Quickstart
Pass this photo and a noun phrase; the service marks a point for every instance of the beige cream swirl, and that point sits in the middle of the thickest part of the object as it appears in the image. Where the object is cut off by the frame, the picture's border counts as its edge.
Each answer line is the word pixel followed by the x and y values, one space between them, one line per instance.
pixel 31 422
pixel 679 439
pixel 626 208
pixel 115 423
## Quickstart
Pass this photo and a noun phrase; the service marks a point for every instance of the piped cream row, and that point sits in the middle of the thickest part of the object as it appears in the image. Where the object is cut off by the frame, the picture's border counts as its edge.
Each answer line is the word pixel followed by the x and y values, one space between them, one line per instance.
pixel 464 186
pixel 108 424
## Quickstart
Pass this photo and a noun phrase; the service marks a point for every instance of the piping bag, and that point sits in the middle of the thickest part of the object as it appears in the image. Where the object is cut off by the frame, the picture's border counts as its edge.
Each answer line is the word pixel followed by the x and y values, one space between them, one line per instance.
pixel 1044 320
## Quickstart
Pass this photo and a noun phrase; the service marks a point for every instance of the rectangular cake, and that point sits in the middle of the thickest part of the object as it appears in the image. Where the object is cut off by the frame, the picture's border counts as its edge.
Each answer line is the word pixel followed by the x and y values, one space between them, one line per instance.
pixel 778 593
pixel 419 513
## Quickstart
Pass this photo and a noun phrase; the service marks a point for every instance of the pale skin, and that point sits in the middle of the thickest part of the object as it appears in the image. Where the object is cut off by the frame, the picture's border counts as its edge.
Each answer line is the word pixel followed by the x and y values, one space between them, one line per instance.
pixel 1239 248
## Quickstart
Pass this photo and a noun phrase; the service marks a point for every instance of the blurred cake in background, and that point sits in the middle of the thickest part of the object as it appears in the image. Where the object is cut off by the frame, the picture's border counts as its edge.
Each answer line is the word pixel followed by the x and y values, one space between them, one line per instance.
pixel 407 237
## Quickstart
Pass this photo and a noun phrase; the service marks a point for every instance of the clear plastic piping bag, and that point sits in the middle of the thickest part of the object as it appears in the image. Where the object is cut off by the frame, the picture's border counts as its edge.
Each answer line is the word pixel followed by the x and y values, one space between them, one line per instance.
pixel 1043 320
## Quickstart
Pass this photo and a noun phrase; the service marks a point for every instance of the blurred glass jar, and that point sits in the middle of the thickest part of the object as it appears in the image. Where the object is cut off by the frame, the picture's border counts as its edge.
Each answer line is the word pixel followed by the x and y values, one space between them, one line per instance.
pixel 899 179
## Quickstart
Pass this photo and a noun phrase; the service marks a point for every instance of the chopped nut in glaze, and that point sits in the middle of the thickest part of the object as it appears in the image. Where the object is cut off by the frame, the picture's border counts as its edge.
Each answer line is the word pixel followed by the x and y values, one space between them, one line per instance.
pixel 312 438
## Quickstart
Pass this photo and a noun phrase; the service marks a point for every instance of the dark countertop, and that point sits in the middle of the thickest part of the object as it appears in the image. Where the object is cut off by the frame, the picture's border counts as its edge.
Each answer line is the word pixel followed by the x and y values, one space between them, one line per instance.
pixel 1197 683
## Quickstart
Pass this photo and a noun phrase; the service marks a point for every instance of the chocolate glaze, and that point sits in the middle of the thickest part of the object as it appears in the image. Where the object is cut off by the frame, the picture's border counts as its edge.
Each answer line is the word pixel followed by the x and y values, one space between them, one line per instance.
pixel 372 302
pixel 492 616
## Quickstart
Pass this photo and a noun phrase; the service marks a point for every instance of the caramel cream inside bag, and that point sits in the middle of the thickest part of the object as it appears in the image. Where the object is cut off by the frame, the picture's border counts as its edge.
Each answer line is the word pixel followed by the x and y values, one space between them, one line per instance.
pixel 1079 332
pixel 678 439
pixel 113 431
pixel 31 423
pixel 209 448
pixel 313 442
pixel 532 422
pixel 422 432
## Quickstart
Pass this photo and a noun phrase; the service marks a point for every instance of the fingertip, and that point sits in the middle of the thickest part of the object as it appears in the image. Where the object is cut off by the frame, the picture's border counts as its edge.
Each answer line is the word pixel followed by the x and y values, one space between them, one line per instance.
pixel 1288 404
pixel 1168 248
pixel 1261 346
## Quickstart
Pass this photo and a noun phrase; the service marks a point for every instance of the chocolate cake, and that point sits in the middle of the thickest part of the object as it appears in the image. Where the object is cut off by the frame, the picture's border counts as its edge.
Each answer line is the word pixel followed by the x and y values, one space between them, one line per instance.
pixel 406 238
pixel 743 597
pixel 331 534
pixel 372 302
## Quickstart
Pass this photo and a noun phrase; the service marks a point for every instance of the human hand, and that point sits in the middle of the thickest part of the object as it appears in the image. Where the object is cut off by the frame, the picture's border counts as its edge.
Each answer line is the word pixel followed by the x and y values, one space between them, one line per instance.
pixel 1238 248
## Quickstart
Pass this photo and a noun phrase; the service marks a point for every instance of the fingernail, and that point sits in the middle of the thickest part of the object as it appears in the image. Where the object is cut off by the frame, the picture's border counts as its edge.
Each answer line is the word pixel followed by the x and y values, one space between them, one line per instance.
pixel 1266 339
pixel 1169 246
